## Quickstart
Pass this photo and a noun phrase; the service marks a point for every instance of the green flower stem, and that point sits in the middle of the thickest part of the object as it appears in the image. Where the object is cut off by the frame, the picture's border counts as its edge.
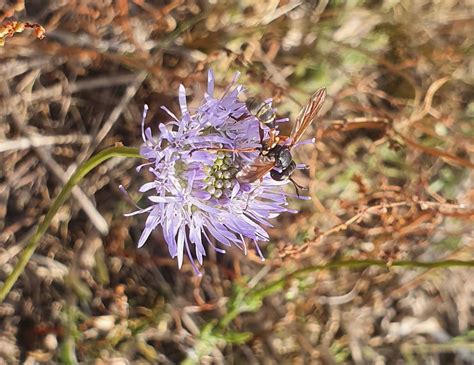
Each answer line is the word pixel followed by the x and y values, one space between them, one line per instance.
pixel 251 299
pixel 247 299
pixel 82 171
pixel 362 264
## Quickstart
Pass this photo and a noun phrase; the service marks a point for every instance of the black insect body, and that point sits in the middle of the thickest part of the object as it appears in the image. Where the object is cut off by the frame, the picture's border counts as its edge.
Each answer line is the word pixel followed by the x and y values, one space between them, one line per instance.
pixel 284 164
pixel 275 154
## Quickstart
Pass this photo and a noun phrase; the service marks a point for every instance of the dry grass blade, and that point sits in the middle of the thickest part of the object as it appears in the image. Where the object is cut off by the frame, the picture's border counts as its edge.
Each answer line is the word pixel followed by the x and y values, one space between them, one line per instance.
pixel 42 141
pixel 434 87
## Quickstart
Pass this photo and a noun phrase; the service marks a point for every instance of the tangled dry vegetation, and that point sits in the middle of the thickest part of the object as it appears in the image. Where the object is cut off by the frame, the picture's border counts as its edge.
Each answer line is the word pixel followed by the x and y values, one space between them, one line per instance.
pixel 390 179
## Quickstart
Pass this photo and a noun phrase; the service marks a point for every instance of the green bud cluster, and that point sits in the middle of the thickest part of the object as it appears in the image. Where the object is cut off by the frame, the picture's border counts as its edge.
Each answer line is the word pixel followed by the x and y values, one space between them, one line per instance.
pixel 220 176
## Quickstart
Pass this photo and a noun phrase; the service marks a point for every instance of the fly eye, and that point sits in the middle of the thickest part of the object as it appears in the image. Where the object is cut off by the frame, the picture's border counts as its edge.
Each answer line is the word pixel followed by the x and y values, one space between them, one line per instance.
pixel 285 157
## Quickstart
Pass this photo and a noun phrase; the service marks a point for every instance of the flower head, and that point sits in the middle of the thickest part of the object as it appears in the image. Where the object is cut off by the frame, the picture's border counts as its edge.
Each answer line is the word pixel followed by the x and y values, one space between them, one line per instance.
pixel 195 196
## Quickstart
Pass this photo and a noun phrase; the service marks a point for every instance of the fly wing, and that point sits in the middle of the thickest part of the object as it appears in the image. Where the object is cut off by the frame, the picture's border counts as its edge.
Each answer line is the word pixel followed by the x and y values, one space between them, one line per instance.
pixel 255 170
pixel 307 115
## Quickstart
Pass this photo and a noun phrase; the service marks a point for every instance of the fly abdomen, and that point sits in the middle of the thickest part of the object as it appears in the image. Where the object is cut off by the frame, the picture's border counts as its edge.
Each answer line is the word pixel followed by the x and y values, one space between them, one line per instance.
pixel 253 105
pixel 263 111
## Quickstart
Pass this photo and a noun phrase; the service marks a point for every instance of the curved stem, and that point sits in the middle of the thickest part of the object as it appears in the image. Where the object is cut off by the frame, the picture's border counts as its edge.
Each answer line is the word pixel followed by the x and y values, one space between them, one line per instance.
pixel 258 293
pixel 82 171
pixel 355 264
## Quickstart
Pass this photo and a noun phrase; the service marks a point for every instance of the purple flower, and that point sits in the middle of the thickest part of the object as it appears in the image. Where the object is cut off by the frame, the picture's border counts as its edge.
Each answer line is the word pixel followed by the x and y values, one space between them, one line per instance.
pixel 195 197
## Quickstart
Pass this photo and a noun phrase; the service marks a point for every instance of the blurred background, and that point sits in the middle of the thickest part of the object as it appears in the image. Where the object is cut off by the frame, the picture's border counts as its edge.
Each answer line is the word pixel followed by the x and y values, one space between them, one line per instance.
pixel 390 179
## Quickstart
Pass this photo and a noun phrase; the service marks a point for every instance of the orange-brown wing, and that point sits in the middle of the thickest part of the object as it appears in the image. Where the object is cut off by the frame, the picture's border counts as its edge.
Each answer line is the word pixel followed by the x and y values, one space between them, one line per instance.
pixel 255 170
pixel 307 115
